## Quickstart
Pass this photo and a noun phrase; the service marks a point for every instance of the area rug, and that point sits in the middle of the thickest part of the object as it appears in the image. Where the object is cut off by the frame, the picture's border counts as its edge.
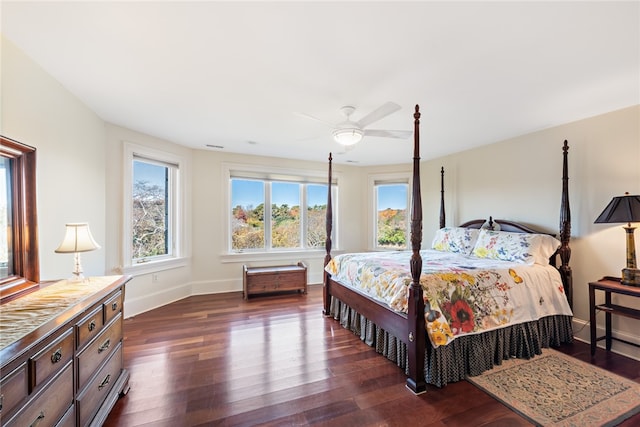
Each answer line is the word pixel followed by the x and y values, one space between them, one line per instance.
pixel 554 389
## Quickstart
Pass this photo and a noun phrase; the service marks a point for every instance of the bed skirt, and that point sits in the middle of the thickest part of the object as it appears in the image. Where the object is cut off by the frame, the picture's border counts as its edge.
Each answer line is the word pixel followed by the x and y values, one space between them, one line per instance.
pixel 465 356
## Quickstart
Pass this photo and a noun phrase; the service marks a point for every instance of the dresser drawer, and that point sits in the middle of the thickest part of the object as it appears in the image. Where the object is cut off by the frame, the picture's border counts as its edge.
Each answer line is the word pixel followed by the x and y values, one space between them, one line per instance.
pixel 68 419
pixel 13 388
pixel 89 327
pixel 99 386
pixel 51 359
pixel 112 307
pixel 98 351
pixel 50 404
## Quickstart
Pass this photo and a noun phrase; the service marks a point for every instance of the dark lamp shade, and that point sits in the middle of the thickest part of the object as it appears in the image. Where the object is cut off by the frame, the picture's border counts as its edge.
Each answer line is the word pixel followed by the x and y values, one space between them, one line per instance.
pixel 621 209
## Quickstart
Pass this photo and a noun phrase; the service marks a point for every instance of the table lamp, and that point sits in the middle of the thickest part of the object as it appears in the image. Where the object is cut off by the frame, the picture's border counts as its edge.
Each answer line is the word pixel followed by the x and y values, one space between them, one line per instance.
pixel 625 209
pixel 77 239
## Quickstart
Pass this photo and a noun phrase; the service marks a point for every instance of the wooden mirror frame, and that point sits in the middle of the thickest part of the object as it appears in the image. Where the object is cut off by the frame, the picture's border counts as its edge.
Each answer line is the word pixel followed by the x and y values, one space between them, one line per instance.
pixel 23 235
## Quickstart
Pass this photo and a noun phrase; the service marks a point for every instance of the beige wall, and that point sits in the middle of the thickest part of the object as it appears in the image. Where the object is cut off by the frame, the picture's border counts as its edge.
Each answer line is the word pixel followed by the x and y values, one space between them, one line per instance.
pixel 70 143
pixel 80 179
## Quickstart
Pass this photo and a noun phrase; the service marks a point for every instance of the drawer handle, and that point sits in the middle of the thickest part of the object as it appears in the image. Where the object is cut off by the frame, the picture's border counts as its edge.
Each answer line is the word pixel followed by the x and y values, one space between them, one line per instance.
pixel 114 306
pixel 92 325
pixel 105 381
pixel 37 420
pixel 104 346
pixel 56 356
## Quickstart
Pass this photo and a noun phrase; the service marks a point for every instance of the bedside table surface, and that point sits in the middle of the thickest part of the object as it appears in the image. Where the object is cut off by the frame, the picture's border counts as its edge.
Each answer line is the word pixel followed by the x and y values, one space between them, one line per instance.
pixel 613 284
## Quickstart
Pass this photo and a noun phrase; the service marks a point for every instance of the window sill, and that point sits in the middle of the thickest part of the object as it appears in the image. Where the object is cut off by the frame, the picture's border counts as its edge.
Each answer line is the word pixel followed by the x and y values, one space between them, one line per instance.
pixel 154 266
pixel 279 256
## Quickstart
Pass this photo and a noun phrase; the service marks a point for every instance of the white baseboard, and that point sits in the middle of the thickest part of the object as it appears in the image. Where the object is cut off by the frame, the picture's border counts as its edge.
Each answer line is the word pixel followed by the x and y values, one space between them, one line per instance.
pixel 135 306
pixel 581 332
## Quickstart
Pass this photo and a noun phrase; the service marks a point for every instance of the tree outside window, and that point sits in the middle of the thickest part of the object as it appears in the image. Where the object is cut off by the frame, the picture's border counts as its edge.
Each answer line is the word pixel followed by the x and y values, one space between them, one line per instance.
pixel 278 215
pixel 391 218
pixel 151 213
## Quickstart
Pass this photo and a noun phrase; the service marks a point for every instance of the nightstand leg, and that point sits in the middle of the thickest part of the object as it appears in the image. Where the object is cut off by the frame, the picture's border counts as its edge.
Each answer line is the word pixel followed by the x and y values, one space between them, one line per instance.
pixel 607 297
pixel 592 318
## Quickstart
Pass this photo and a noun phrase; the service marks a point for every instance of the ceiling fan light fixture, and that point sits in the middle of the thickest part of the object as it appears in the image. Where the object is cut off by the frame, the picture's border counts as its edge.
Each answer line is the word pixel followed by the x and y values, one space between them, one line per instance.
pixel 348 136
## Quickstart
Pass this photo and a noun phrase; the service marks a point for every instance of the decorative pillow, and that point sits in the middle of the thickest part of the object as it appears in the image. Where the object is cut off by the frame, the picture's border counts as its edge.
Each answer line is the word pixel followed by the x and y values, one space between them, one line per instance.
pixel 455 239
pixel 523 248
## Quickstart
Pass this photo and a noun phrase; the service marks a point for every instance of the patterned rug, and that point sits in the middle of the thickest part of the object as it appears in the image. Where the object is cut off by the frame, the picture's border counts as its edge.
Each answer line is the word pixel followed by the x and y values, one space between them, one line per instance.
pixel 554 389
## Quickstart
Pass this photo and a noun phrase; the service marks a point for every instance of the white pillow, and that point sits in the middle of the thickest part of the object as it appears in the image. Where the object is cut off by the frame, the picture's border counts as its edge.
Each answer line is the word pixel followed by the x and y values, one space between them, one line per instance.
pixel 455 239
pixel 524 248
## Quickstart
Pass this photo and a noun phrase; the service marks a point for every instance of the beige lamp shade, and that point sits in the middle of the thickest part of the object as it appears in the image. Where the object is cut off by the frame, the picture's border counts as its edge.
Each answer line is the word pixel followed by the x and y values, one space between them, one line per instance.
pixel 77 238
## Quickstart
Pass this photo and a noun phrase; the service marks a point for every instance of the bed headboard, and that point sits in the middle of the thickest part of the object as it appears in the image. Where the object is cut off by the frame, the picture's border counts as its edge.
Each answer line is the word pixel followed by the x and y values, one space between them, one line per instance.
pixel 502 225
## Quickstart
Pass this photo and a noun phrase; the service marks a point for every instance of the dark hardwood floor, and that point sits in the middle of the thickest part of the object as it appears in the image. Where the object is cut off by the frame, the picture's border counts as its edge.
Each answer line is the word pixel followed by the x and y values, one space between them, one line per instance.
pixel 272 361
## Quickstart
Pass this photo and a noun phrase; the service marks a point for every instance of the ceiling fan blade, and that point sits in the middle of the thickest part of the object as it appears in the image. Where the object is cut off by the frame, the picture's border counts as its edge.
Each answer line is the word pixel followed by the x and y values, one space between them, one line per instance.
pixel 401 134
pixel 375 115
pixel 306 116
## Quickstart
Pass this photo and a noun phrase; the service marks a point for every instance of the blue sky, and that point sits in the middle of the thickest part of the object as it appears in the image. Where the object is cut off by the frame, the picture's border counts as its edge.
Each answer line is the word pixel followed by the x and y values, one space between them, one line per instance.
pixel 251 193
pixel 393 196
pixel 154 174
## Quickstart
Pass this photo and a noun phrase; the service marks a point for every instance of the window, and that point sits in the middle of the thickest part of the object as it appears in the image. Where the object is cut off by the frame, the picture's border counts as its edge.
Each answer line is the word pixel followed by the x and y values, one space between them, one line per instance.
pixel 153 207
pixel 391 200
pixel 272 211
pixel 19 262
pixel 151 234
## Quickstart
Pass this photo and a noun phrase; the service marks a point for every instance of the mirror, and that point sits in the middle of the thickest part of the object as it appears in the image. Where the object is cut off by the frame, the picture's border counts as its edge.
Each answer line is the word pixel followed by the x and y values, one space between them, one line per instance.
pixel 19 263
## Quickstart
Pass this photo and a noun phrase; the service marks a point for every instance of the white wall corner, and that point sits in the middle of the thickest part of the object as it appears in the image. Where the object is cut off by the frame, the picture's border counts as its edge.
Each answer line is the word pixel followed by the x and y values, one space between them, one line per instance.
pixel 581 332
pixel 139 305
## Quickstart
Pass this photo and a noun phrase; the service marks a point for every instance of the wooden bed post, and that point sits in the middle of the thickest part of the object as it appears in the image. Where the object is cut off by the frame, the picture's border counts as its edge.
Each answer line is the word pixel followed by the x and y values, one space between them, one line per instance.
pixel 565 229
pixel 415 314
pixel 442 215
pixel 326 298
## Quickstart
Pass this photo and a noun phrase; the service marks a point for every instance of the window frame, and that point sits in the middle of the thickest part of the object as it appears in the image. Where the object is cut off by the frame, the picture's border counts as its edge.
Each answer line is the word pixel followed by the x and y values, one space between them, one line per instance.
pixel 273 174
pixel 383 179
pixel 24 230
pixel 177 256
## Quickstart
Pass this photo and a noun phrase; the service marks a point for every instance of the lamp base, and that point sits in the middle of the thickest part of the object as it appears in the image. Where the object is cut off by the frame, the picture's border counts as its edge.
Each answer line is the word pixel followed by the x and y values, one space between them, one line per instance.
pixel 630 276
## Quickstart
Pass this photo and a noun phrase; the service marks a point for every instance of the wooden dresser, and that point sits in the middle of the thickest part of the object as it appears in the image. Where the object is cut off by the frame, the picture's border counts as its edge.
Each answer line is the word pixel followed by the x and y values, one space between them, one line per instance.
pixel 61 358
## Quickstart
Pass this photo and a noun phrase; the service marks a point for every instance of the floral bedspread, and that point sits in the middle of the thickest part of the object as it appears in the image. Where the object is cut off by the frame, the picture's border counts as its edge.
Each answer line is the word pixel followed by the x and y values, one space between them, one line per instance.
pixel 463 294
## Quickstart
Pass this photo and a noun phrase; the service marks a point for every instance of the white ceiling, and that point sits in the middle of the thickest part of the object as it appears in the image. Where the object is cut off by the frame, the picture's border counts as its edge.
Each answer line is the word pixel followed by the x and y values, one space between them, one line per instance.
pixel 235 74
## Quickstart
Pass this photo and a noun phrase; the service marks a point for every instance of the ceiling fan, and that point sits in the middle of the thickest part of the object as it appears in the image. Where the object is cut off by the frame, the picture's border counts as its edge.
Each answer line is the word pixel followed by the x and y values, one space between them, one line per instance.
pixel 349 132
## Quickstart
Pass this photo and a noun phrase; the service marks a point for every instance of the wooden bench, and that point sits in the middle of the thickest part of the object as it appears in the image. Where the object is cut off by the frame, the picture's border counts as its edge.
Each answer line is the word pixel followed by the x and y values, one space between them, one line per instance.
pixel 271 279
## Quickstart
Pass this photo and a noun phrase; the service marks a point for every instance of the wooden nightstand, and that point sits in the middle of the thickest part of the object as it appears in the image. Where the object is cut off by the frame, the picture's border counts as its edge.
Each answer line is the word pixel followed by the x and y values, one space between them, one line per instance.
pixel 610 285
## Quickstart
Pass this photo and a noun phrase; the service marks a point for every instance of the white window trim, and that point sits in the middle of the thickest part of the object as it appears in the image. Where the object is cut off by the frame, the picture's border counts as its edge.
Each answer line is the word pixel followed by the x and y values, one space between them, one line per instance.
pixel 397 178
pixel 179 255
pixel 276 174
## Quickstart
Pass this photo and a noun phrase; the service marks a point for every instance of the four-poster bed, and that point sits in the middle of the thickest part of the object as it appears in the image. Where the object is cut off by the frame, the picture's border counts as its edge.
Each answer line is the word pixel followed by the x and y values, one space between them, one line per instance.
pixel 437 349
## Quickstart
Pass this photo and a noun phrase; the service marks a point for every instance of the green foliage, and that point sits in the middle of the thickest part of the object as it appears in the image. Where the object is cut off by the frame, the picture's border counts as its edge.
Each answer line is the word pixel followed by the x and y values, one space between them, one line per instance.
pixel 392 226
pixel 248 227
